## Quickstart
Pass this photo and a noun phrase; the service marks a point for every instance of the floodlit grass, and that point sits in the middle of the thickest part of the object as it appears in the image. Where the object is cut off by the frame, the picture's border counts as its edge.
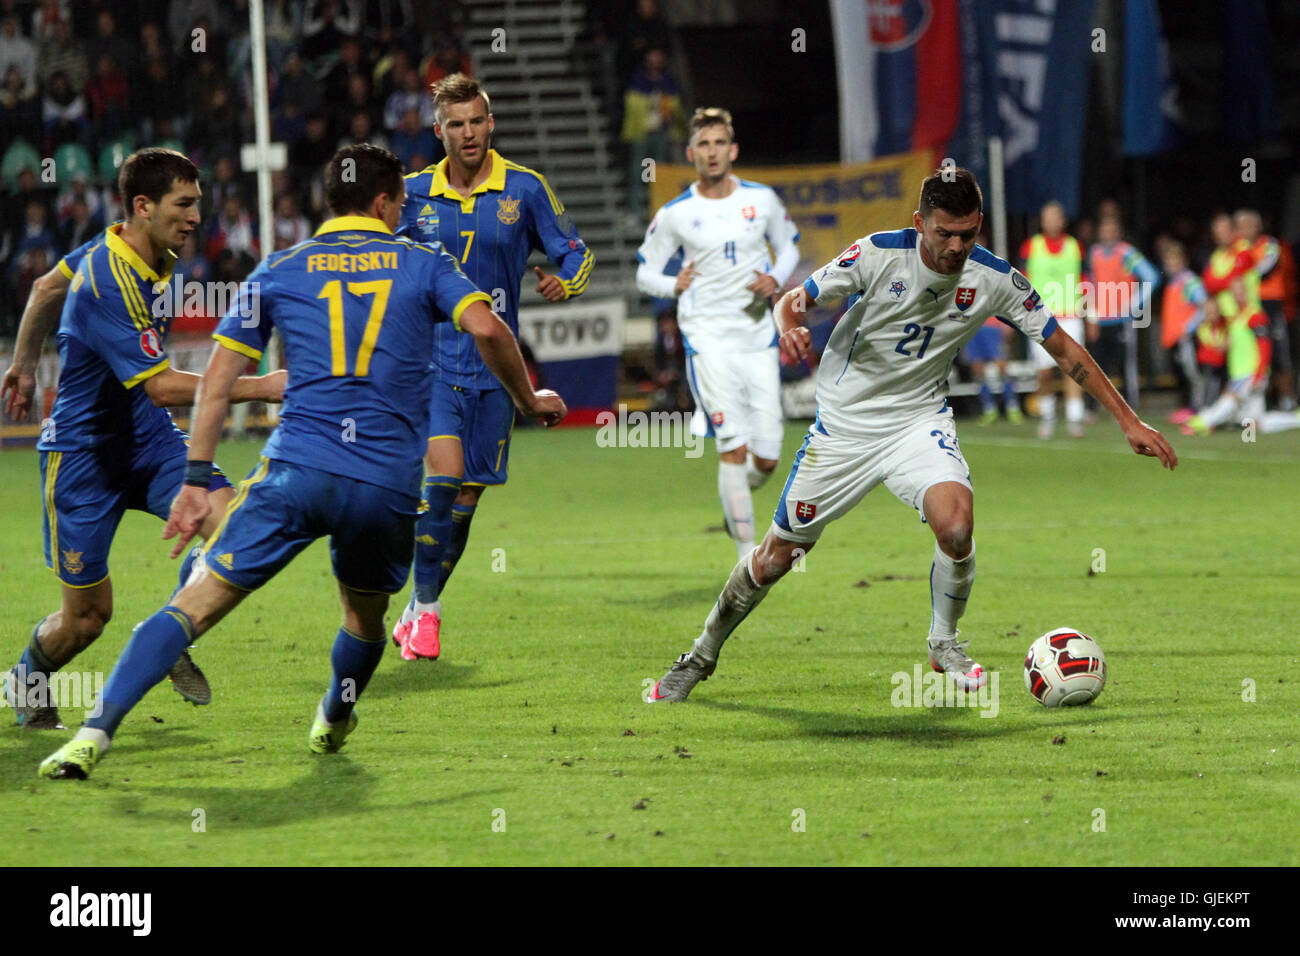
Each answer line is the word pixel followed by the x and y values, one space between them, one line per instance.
pixel 529 743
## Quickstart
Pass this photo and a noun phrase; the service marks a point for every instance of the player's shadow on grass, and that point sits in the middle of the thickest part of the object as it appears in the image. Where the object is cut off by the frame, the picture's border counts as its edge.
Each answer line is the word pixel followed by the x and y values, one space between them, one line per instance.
pixel 25 750
pixel 335 787
pixel 922 725
pixel 414 677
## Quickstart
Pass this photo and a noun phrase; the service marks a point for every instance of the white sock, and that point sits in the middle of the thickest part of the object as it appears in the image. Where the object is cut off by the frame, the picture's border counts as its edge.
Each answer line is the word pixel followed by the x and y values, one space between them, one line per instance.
pixel 950 584
pixel 756 476
pixel 737 505
pixel 413 613
pixel 98 736
pixel 1073 410
pixel 739 596
pixel 1047 408
pixel 1221 411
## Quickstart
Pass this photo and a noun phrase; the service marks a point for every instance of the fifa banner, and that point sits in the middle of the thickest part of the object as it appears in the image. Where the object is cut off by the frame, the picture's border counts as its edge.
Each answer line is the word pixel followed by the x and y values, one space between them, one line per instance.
pixel 833 204
pixel 578 347
pixel 943 76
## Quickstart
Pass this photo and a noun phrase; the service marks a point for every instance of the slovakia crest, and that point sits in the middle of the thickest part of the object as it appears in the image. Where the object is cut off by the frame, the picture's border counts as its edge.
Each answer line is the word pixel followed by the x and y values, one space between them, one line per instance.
pixel 897 288
pixel 965 298
pixel 805 510
pixel 749 212
pixel 151 344
pixel 849 256
pixel 508 210
pixel 897 24
pixel 717 418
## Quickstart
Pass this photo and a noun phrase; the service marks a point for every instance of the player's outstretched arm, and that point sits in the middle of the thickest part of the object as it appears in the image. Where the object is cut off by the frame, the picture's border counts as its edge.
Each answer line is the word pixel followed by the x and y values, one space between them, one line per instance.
pixel 496 343
pixel 795 341
pixel 172 388
pixel 40 316
pixel 1075 362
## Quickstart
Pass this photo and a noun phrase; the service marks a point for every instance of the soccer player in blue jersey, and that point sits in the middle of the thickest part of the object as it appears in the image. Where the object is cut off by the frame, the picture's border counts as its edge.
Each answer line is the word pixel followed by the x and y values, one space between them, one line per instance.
pixel 109 444
pixel 490 213
pixel 356 308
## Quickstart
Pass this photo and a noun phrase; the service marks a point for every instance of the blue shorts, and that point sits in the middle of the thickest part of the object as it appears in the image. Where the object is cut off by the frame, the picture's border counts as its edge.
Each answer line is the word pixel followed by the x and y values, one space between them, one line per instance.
pixel 281 508
pixel 483 420
pixel 86 493
pixel 986 346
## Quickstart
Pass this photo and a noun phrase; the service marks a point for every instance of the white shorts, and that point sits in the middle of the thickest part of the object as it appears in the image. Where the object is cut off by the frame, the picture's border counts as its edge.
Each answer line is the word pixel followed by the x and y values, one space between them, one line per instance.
pixel 831 475
pixel 1042 360
pixel 739 396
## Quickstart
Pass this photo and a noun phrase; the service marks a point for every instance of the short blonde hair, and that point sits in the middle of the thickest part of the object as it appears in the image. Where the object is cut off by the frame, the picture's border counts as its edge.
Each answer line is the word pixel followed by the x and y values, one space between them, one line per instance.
pixel 712 116
pixel 457 88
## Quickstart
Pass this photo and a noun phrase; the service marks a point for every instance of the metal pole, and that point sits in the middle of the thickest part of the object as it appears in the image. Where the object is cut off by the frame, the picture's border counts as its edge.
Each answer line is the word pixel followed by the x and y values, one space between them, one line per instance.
pixel 998 197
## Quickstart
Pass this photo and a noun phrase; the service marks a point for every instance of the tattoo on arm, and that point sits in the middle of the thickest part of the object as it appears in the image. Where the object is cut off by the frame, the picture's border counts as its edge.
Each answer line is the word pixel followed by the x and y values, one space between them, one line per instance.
pixel 1078 373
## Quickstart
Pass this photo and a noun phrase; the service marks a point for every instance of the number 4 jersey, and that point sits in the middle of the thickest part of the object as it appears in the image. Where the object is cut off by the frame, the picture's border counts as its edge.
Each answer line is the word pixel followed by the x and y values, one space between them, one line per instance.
pixel 887 362
pixel 356 309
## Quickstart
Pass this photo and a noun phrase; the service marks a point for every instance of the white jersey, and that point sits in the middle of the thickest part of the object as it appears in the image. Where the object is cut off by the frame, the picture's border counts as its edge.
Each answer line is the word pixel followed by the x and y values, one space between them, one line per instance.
pixel 887 362
pixel 727 239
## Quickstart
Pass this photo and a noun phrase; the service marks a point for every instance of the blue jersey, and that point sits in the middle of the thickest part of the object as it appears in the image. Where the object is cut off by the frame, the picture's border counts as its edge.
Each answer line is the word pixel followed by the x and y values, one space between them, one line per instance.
pixel 491 232
pixel 111 338
pixel 69 263
pixel 356 309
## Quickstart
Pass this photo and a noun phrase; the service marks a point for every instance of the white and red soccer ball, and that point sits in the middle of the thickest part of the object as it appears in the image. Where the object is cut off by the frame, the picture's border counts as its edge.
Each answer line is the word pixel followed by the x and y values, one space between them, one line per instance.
pixel 1065 668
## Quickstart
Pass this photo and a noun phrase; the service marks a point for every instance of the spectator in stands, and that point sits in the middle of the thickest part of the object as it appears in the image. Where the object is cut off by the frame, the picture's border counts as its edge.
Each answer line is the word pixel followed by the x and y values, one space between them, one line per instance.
pixel 152 44
pixel 216 125
pixel 78 189
pixel 107 39
pixel 63 113
pixel 20 111
pixel 283 27
pixel 670 363
pixel 291 227
pixel 234 230
pixel 31 265
pixel 448 57
pixel 1182 311
pixel 360 130
pixel 313 150
pixel 389 22
pixel 62 51
pixel 153 98
pixel 412 141
pixel 356 100
pixel 350 63
pixel 34 233
pixel 653 120
pixel 389 71
pixel 184 16
pixel 46 15
pixel 325 23
pixel 16 50
pixel 192 265
pixel 644 31
pixel 410 96
pixel 79 225
pixel 298 86
pixel 106 97
pixel 225 182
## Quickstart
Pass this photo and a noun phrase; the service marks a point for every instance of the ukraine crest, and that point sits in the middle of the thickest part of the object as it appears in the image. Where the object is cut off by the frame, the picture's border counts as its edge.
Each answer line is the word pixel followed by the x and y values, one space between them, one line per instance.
pixel 72 561
pixel 508 210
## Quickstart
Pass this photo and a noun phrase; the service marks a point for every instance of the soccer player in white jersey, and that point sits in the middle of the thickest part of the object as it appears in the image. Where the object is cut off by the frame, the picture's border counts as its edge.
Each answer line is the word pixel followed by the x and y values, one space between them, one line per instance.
pixel 882 412
pixel 724 225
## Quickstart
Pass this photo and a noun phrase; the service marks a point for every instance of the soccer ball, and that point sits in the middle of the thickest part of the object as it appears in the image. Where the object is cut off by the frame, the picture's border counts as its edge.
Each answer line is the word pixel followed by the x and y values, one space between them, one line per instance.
pixel 1065 668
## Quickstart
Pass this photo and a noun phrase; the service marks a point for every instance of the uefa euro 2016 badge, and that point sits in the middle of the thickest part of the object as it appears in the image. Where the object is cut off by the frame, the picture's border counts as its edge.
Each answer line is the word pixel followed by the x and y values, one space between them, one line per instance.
pixel 897 288
pixel 508 210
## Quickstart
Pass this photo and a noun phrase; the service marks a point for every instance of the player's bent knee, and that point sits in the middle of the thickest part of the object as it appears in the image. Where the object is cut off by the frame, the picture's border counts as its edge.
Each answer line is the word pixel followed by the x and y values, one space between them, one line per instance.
pixel 774 558
pixel 766 465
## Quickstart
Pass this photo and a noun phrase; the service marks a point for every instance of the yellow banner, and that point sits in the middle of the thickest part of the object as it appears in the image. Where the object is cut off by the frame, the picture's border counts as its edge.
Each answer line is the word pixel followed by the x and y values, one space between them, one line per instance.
pixel 832 203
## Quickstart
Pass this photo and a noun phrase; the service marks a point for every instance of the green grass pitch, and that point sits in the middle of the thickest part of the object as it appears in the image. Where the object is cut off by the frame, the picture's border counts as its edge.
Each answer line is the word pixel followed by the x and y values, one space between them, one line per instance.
pixel 529 743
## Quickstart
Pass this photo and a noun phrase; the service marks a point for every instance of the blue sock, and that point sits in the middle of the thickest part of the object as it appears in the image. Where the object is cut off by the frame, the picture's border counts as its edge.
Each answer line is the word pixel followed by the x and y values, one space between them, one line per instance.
pixel 187 565
pixel 354 659
pixel 34 661
pixel 986 397
pixel 432 535
pixel 149 655
pixel 1009 397
pixel 461 516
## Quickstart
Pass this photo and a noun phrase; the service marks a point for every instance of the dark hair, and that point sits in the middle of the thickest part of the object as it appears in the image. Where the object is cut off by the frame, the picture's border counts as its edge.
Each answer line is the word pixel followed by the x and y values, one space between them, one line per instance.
pixel 150 172
pixel 952 189
pixel 359 173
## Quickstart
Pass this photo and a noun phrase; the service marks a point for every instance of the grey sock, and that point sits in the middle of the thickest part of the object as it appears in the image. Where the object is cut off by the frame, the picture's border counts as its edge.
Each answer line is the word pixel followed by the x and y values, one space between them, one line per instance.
pixel 739 596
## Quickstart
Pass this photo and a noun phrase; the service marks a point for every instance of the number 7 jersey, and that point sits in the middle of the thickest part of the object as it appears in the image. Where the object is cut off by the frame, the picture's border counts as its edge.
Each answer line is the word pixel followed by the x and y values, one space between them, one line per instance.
pixel 357 309
pixel 887 362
